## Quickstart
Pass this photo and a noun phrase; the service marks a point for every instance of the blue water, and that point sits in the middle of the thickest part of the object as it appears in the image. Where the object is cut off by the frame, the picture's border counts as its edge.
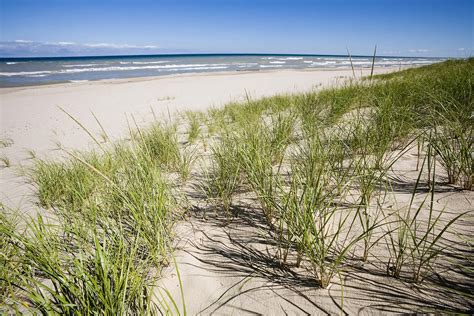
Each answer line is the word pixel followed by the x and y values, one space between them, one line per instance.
pixel 35 71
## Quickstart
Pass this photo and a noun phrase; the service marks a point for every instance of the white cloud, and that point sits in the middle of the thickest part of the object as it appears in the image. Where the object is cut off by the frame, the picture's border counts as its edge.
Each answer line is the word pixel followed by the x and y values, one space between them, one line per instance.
pixel 419 50
pixel 63 43
pixel 391 52
pixel 110 45
pixel 25 48
pixel 103 45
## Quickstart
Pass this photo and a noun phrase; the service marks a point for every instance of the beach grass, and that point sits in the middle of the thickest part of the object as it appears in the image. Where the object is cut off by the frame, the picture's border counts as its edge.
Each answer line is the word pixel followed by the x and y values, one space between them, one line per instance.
pixel 223 176
pixel 319 166
pixel 194 120
pixel 414 242
pixel 111 227
pixel 359 131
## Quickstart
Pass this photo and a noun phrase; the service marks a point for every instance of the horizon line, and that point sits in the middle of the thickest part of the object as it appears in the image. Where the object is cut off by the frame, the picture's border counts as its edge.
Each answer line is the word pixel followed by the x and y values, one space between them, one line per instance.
pixel 210 54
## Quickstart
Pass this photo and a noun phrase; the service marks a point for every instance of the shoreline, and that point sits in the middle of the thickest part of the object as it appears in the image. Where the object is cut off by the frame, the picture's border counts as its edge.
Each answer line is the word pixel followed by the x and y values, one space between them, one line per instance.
pixel 193 74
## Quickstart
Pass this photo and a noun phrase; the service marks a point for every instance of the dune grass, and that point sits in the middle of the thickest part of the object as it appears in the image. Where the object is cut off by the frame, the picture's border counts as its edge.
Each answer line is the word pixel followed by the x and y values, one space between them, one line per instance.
pixel 110 231
pixel 414 242
pixel 316 225
pixel 103 273
pixel 318 165
pixel 71 268
pixel 194 120
pixel 325 198
pixel 223 176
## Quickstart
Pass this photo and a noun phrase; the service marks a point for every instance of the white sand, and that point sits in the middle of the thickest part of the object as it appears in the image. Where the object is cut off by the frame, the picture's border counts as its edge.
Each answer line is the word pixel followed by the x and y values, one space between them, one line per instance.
pixel 31 118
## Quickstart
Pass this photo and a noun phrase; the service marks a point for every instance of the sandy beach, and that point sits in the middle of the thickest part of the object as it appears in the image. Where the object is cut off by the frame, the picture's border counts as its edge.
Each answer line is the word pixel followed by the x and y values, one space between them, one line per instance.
pixel 31 117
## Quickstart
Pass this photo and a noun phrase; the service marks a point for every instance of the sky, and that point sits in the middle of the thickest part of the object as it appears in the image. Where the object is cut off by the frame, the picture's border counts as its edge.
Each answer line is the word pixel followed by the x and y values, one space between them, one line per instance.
pixel 442 28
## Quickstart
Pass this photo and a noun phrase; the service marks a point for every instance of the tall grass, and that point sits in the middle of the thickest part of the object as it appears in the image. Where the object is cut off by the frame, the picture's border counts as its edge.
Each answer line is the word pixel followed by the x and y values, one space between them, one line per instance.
pixel 319 230
pixel 316 225
pixel 261 151
pixel 187 158
pixel 454 144
pixel 194 122
pixel 345 136
pixel 9 266
pixel 224 174
pixel 102 275
pixel 160 142
pixel 317 163
pixel 414 242
pixel 69 268
pixel 113 214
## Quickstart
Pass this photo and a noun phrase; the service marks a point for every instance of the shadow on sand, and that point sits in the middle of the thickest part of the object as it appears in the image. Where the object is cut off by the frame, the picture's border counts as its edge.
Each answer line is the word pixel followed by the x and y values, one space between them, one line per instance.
pixel 245 249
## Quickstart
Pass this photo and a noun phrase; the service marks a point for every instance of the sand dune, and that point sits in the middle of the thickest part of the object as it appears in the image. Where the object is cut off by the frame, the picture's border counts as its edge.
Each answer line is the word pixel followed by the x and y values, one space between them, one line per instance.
pixel 32 120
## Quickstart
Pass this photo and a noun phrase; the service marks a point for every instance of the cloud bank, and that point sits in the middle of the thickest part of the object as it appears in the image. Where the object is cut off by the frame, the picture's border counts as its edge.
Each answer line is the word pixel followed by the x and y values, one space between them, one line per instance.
pixel 25 48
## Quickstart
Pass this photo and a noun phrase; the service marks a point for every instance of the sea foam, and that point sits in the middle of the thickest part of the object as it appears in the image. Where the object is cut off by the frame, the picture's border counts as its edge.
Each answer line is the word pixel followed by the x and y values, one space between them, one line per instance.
pixel 113 68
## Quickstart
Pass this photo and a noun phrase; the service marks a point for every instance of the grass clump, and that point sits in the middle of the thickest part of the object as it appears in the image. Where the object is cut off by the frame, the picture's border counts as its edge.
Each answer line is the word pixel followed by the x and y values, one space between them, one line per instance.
pixel 103 275
pixel 194 121
pixel 187 158
pixel 454 148
pixel 9 266
pixel 414 242
pixel 257 154
pixel 127 184
pixel 160 142
pixel 113 215
pixel 224 175
pixel 314 223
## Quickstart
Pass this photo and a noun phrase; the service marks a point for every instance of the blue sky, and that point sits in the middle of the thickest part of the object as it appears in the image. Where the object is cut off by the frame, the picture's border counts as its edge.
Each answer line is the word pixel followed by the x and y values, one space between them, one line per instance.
pixel 84 27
